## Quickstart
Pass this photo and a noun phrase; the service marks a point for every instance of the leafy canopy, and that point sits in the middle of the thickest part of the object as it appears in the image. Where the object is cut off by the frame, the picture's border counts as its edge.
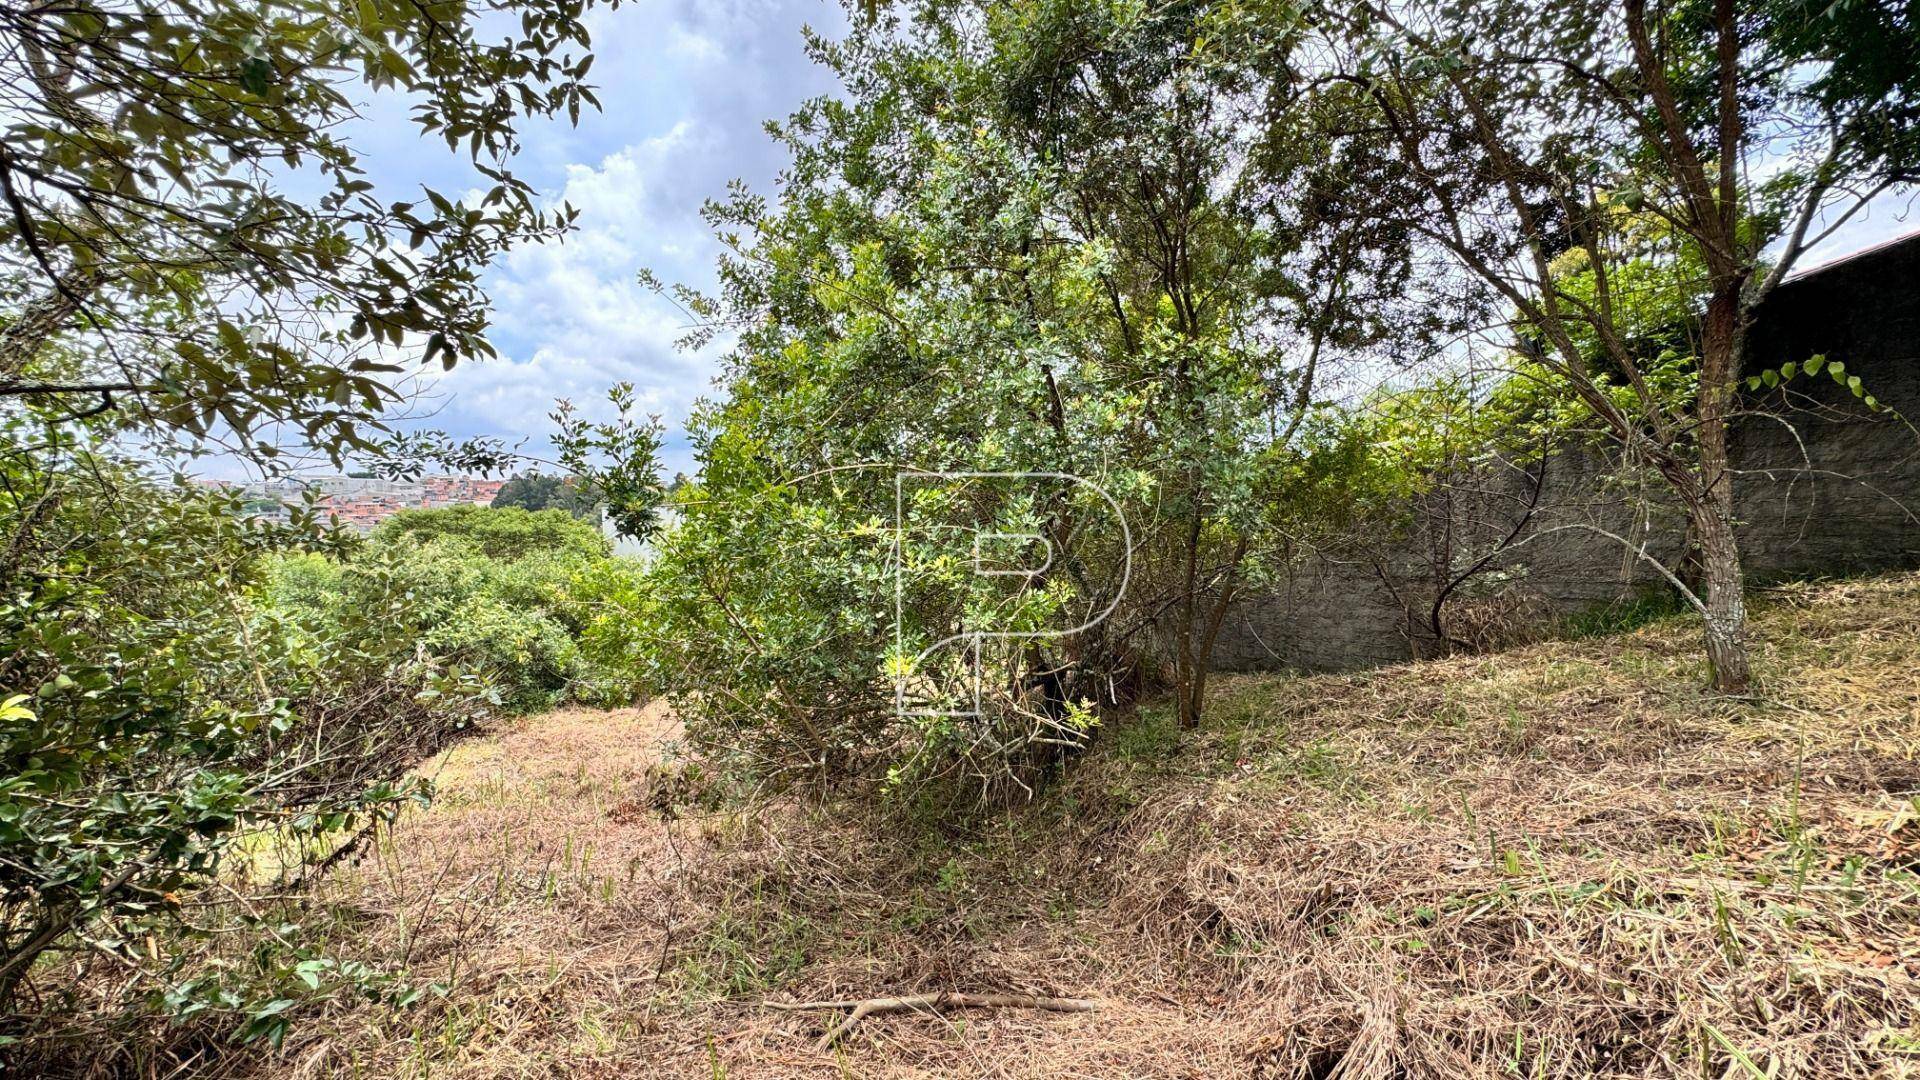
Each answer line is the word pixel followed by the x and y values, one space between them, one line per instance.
pixel 189 234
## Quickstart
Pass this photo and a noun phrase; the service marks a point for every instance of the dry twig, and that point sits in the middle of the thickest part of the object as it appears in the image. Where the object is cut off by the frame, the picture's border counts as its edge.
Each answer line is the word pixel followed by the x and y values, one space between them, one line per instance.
pixel 930 1002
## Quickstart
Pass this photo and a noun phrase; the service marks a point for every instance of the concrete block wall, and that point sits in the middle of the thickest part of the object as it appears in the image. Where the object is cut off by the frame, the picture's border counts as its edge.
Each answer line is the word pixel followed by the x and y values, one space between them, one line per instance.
pixel 1832 490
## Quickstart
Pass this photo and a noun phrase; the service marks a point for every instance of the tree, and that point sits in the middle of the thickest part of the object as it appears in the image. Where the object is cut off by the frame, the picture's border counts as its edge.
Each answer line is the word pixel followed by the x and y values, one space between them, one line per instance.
pixel 158 719
pixel 152 258
pixel 542 491
pixel 190 253
pixel 1584 161
pixel 509 533
pixel 492 591
pixel 1025 241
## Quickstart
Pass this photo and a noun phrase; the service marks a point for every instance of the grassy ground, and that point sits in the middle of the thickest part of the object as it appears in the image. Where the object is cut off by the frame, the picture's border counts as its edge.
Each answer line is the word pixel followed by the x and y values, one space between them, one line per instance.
pixel 1566 860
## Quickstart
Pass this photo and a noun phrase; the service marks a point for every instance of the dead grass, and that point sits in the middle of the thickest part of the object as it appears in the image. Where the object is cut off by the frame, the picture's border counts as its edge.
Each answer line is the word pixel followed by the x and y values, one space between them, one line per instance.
pixel 1567 860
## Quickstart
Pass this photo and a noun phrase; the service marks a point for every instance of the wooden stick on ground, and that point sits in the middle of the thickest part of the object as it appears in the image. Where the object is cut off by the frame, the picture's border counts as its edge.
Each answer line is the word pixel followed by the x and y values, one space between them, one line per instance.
pixel 930 1002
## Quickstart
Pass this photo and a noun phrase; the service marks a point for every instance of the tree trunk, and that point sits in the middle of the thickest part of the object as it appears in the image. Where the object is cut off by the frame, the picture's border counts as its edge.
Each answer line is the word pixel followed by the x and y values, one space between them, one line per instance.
pixel 41 320
pixel 1187 681
pixel 1216 618
pixel 1726 614
pixel 20 958
pixel 1712 511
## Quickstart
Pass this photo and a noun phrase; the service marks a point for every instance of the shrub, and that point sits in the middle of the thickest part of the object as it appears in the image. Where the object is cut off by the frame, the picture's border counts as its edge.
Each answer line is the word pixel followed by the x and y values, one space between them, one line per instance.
pixel 163 728
pixel 506 533
pixel 489 592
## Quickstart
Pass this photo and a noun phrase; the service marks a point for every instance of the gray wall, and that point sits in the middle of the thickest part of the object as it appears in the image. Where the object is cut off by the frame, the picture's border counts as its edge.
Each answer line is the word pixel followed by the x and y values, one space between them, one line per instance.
pixel 1847 504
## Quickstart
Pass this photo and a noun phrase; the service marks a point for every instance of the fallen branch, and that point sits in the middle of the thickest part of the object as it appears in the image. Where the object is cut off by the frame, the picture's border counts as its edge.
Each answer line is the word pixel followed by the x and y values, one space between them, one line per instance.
pixel 930 1002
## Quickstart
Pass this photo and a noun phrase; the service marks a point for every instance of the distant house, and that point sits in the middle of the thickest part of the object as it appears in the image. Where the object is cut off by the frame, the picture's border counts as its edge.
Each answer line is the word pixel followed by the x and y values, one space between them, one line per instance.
pixel 362 502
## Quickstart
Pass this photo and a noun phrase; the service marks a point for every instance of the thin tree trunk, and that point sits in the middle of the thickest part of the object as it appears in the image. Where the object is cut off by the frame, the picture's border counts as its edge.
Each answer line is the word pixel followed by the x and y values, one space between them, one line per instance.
pixel 21 958
pixel 1186 678
pixel 1726 614
pixel 1216 618
pixel 1712 513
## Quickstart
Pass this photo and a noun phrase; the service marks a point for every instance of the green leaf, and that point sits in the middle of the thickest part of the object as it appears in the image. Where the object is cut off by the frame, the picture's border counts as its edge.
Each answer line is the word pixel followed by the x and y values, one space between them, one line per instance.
pixel 256 74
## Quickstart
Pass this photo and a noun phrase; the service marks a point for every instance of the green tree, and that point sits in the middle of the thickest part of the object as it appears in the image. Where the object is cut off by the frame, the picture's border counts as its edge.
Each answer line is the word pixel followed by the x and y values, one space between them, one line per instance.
pixel 190 252
pixel 492 592
pixel 154 258
pixel 160 721
pixel 1587 163
pixel 509 533
pixel 543 491
pixel 1024 241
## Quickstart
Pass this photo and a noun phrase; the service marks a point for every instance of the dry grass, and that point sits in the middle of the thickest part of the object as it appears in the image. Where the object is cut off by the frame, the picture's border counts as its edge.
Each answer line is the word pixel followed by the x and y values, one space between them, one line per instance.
pixel 1567 860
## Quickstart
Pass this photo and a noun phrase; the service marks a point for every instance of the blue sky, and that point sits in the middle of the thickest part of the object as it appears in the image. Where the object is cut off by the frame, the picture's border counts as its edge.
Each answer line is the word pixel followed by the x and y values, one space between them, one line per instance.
pixel 687 87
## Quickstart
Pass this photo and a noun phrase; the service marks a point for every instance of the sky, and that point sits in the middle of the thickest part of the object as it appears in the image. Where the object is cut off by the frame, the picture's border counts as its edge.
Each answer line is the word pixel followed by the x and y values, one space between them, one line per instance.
pixel 687 88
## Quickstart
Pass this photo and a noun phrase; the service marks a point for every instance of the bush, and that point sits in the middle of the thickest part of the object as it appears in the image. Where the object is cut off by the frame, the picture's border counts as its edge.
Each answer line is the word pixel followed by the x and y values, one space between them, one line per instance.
pixel 490 592
pixel 164 729
pixel 506 533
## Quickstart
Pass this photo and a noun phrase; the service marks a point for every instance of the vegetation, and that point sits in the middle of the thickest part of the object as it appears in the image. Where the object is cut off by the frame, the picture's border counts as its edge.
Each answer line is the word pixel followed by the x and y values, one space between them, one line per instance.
pixel 223 704
pixel 490 590
pixel 1588 165
pixel 201 712
pixel 540 491
pixel 156 268
pixel 977 268
pixel 1071 322
pixel 1143 247
pixel 1568 860
pixel 180 735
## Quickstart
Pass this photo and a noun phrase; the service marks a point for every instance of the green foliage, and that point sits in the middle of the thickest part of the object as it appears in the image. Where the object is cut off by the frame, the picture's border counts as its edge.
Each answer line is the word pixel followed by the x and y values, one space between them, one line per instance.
pixel 152 252
pixel 492 591
pixel 196 715
pixel 163 727
pixel 1857 64
pixel 190 696
pixel 963 274
pixel 620 460
pixel 507 534
pixel 1772 378
pixel 542 491
pixel 1519 141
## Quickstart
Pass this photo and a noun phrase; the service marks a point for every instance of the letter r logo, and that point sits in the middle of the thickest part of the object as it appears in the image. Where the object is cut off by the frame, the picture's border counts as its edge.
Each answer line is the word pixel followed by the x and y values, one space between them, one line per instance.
pixel 986 558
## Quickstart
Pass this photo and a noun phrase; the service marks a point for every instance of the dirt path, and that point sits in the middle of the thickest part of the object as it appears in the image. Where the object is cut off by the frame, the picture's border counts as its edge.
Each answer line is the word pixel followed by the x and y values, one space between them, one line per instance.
pixel 531 890
pixel 537 890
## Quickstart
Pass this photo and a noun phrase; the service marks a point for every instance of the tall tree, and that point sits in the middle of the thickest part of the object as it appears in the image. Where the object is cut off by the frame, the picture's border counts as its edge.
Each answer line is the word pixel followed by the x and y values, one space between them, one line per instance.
pixel 1572 158
pixel 1026 240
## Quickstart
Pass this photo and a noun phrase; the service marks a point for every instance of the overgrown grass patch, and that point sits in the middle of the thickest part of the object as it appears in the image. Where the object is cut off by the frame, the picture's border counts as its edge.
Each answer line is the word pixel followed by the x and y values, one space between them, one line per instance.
pixel 1563 861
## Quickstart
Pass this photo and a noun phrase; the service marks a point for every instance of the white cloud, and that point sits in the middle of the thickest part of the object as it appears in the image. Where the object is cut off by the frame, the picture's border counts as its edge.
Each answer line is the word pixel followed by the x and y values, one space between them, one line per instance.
pixel 686 88
pixel 577 311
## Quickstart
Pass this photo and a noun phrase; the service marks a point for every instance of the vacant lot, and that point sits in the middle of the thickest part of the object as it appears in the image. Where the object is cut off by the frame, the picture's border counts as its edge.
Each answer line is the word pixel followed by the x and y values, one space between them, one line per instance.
pixel 1561 861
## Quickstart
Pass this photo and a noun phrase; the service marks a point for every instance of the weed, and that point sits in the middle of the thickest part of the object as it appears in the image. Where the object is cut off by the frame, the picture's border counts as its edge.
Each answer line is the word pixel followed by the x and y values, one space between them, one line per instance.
pixel 1645 608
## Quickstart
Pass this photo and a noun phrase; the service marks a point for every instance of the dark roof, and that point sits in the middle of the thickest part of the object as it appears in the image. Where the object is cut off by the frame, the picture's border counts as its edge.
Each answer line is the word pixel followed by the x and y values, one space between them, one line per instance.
pixel 1864 253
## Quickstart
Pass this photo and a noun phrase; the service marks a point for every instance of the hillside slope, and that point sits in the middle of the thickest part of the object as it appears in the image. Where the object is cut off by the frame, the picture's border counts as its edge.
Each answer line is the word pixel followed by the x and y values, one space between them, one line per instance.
pixel 1566 860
